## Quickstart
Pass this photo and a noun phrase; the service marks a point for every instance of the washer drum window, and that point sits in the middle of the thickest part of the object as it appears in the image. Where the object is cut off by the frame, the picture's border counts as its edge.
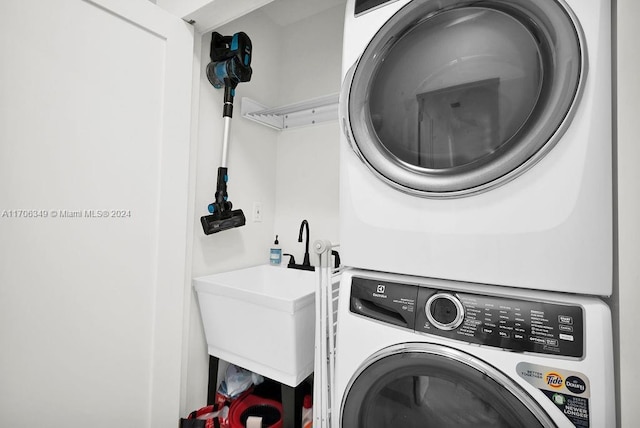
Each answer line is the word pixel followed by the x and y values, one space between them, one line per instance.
pixel 455 97
pixel 427 385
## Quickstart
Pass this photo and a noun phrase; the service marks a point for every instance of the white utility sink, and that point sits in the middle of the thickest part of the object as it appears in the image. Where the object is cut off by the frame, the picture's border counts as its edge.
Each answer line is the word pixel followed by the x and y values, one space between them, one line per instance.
pixel 261 318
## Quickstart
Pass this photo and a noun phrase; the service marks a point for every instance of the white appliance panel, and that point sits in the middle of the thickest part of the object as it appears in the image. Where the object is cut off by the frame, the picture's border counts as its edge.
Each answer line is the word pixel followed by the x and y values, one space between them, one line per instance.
pixel 549 227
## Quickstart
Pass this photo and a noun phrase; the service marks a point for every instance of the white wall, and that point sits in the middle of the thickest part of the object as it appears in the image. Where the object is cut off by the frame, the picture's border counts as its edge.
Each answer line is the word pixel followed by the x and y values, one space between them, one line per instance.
pixel 290 64
pixel 628 159
pixel 307 187
pixel 308 164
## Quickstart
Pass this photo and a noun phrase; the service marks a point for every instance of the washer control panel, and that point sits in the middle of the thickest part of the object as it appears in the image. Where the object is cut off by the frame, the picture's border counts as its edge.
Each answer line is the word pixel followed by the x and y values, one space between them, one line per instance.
pixel 508 323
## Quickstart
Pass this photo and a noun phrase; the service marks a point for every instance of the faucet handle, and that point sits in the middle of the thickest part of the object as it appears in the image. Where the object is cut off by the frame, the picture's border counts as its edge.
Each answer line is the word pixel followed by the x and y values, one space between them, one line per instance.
pixel 292 259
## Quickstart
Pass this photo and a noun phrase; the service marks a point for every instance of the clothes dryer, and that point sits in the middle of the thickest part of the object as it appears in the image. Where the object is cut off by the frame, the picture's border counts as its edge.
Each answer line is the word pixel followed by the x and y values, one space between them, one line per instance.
pixel 476 141
pixel 416 352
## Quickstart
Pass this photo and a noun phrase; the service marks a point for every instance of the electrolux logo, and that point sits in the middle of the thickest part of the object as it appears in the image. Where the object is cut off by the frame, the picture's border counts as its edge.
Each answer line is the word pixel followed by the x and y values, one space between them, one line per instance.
pixel 380 290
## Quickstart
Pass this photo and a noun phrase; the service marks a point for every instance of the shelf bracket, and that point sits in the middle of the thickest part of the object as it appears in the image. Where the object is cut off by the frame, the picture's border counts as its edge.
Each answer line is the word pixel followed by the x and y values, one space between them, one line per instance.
pixel 305 113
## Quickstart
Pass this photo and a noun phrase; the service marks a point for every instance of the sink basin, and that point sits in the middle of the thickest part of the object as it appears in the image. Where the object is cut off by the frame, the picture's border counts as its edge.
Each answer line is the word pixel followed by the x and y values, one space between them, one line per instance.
pixel 261 318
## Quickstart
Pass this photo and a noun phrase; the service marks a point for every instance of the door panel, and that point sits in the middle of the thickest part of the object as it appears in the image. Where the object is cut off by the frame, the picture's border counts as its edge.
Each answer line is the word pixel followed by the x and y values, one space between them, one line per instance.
pixel 94 154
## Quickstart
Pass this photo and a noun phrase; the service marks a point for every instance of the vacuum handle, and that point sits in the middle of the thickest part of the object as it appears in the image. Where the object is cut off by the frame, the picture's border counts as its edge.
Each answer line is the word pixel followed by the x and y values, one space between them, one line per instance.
pixel 221 187
pixel 221 203
pixel 229 93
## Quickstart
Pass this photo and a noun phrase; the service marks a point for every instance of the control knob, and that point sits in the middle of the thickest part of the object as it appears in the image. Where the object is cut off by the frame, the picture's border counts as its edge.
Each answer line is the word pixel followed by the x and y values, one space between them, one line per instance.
pixel 444 311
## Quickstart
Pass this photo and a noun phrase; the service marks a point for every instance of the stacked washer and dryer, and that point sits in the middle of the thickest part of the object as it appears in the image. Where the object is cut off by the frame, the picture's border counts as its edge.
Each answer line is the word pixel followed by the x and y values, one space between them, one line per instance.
pixel 476 215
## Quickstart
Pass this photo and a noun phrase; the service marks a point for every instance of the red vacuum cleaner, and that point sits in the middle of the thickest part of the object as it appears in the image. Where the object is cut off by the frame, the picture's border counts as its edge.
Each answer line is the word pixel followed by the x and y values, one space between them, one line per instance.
pixel 230 64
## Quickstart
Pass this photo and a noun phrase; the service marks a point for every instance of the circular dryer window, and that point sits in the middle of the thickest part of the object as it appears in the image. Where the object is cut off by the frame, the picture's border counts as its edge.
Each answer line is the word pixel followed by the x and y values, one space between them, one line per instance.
pixel 428 385
pixel 453 97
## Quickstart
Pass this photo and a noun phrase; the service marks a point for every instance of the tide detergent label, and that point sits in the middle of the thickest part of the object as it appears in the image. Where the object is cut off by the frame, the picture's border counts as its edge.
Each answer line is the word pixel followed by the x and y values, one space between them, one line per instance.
pixel 554 380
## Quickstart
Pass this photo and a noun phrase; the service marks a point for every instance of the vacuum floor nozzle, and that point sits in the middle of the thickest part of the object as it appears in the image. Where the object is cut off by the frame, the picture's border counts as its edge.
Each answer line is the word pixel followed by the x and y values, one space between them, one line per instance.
pixel 217 222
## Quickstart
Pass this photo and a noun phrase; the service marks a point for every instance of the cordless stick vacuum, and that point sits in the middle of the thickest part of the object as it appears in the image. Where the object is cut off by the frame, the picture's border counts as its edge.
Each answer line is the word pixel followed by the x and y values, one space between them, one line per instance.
pixel 230 64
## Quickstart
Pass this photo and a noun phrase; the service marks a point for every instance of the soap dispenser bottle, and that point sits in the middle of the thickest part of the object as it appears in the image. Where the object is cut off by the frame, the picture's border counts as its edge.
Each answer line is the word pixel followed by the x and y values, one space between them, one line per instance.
pixel 275 256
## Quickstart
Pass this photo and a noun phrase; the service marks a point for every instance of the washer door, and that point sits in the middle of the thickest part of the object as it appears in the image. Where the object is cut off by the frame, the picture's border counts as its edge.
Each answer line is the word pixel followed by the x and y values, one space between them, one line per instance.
pixel 426 385
pixel 453 97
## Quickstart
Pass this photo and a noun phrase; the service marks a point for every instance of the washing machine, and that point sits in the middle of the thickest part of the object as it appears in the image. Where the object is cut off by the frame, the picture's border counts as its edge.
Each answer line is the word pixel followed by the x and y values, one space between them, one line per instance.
pixel 476 141
pixel 418 352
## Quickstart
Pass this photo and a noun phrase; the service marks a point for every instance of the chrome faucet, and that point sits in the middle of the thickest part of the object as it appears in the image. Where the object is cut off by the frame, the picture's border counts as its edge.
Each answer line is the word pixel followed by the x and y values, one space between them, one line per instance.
pixel 305 224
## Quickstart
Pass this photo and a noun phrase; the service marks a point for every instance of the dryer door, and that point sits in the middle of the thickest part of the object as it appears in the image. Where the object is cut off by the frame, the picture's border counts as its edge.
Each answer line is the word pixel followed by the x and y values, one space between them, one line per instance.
pixel 426 385
pixel 454 97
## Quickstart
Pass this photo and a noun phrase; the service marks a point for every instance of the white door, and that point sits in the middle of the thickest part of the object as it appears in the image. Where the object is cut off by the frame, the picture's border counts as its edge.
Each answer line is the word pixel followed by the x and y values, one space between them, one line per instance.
pixel 94 155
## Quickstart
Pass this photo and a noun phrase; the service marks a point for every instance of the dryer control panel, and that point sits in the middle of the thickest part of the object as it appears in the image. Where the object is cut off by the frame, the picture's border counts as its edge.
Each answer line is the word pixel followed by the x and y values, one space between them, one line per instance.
pixel 508 323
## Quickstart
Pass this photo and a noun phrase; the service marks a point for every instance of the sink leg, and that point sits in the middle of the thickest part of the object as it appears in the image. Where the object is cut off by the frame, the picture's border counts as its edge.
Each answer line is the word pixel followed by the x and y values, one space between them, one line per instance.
pixel 213 379
pixel 292 399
